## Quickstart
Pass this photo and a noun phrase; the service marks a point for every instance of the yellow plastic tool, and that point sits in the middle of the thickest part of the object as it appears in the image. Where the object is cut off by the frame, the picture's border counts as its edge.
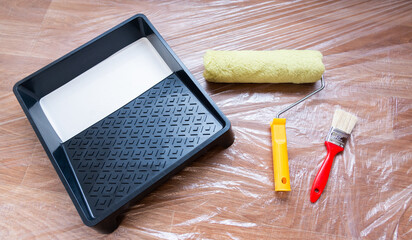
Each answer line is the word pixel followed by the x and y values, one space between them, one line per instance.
pixel 280 155
pixel 279 146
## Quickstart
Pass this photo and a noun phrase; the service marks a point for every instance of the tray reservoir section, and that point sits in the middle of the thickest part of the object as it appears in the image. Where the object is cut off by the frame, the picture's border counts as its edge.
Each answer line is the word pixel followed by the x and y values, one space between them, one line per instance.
pixel 104 88
pixel 125 151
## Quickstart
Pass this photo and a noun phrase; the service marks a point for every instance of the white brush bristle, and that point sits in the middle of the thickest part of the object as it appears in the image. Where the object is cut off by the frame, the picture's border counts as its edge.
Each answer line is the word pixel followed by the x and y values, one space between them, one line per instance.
pixel 344 121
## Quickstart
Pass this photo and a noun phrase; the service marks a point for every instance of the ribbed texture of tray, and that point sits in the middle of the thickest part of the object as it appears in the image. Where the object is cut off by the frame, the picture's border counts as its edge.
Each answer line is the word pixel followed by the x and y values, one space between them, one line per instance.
pixel 122 153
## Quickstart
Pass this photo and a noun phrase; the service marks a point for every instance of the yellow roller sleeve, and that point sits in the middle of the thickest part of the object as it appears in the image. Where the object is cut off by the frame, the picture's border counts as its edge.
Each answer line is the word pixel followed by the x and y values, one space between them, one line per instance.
pixel 278 66
pixel 280 155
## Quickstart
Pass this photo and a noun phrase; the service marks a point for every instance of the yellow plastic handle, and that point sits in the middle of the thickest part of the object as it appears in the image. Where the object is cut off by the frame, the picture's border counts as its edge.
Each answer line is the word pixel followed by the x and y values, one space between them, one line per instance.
pixel 280 155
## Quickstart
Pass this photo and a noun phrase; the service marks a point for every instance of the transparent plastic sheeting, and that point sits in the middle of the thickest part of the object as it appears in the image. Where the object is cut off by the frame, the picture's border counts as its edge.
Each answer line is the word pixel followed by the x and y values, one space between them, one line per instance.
pixel 229 193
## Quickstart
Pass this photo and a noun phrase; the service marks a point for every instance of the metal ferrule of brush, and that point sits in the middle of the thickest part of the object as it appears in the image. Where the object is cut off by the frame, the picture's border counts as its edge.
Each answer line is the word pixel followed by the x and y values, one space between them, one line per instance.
pixel 337 137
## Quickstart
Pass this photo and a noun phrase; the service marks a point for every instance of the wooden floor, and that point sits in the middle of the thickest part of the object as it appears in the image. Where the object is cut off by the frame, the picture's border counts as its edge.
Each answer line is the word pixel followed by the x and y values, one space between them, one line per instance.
pixel 228 194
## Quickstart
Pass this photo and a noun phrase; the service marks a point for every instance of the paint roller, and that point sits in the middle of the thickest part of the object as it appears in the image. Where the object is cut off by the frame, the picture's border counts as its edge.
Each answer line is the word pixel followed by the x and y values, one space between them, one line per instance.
pixel 279 66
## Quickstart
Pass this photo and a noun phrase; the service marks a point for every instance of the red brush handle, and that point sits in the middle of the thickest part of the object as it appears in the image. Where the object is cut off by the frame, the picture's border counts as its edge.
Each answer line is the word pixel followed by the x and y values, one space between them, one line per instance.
pixel 322 177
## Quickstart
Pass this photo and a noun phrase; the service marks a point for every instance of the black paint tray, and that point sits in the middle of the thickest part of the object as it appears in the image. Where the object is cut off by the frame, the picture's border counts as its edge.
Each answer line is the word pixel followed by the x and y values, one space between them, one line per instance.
pixel 117 117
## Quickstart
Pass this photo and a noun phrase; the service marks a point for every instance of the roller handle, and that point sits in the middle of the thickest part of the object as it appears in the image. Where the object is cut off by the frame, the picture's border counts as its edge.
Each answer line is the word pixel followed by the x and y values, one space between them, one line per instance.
pixel 280 155
pixel 322 177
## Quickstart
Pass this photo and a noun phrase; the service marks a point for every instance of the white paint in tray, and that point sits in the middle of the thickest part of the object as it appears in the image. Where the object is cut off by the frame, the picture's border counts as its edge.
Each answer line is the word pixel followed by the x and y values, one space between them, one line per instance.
pixel 104 88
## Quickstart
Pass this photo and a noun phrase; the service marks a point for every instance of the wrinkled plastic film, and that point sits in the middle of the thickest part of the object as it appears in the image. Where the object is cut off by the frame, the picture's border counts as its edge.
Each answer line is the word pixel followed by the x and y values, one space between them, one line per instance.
pixel 229 193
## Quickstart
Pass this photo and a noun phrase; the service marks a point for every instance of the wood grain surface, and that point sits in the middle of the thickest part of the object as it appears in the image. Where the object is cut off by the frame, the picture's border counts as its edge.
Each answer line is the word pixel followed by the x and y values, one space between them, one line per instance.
pixel 229 193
